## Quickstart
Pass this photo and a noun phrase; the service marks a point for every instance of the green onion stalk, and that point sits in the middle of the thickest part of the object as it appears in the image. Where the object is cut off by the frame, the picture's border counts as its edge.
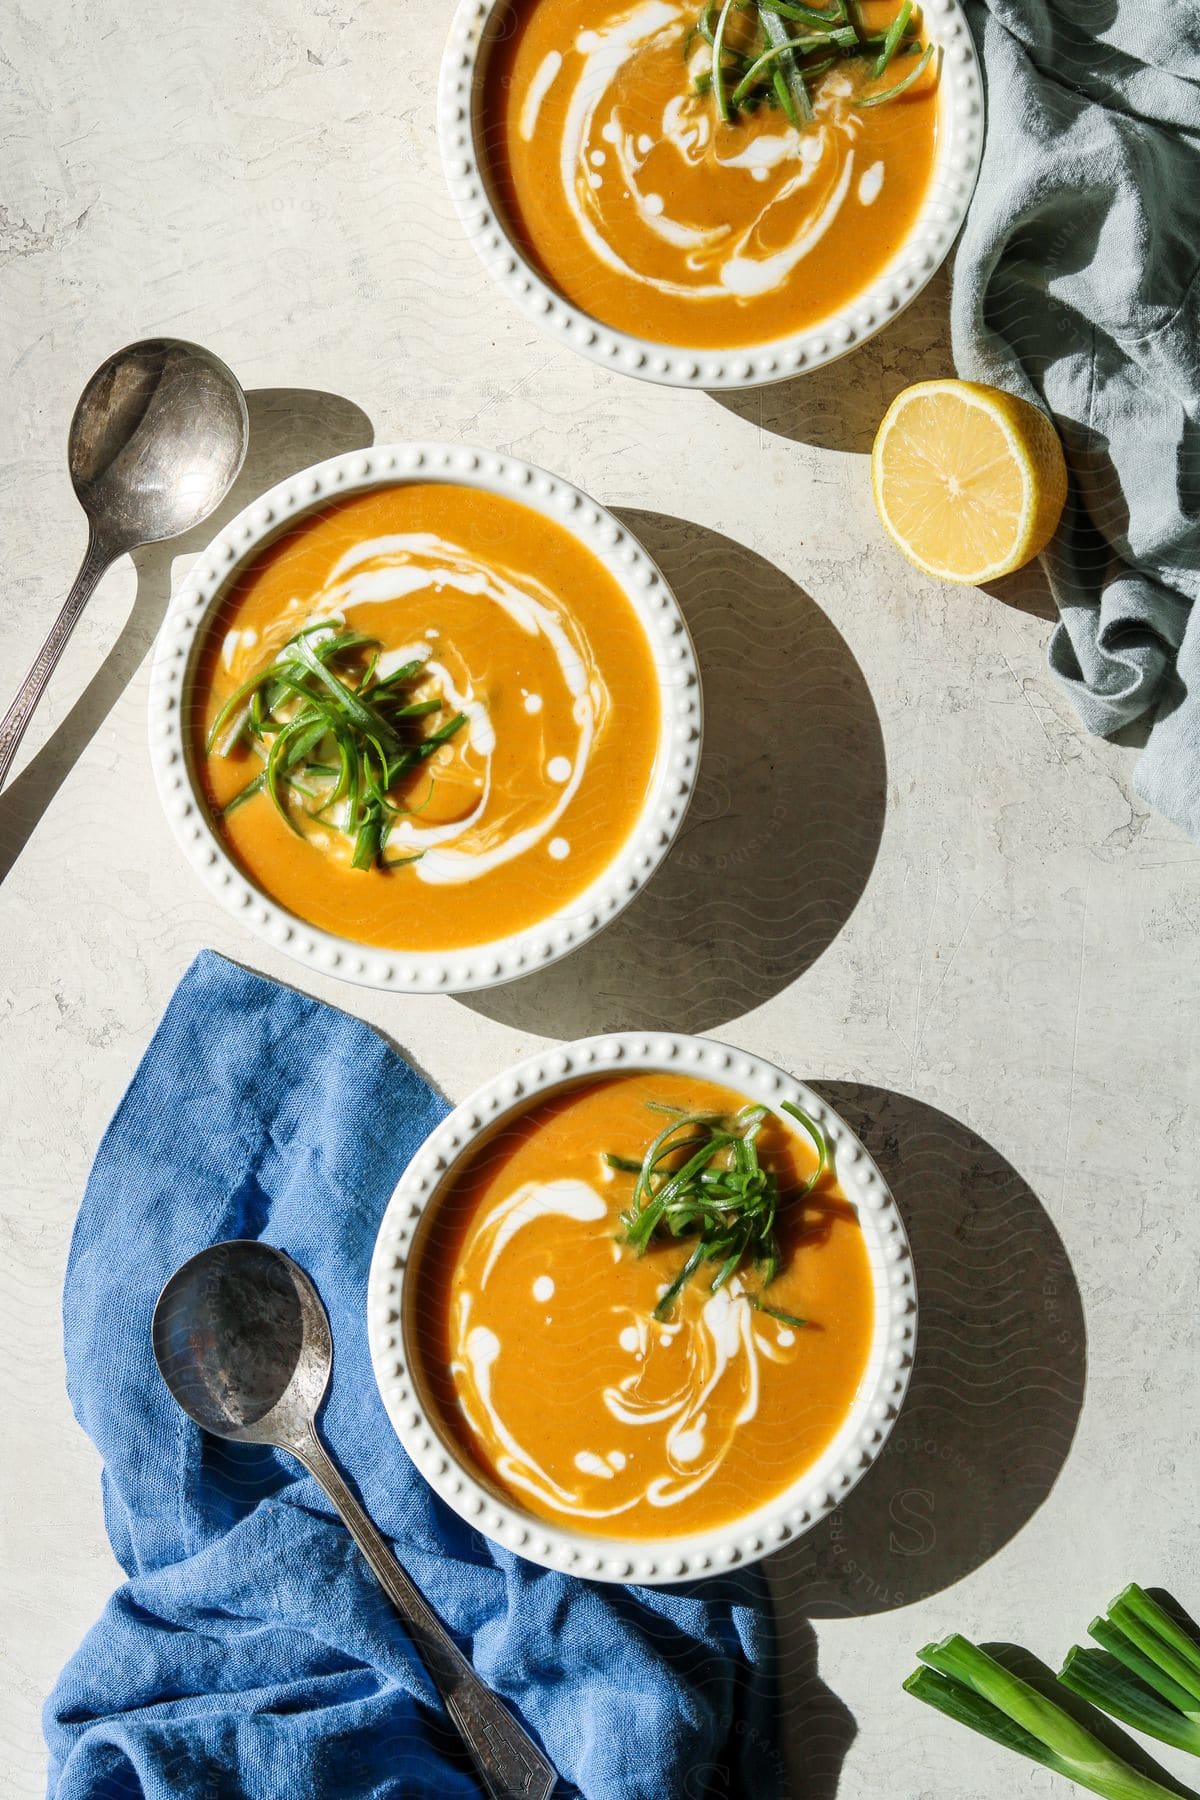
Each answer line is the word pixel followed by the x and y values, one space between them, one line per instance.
pixel 968 1685
pixel 1145 1673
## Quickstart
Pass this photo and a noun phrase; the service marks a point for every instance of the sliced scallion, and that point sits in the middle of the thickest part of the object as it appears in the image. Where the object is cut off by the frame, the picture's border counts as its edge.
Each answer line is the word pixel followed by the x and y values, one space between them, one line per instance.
pixel 332 731
pixel 701 1177
pixel 781 47
pixel 718 64
pixel 1098 1677
pixel 892 36
pixel 761 64
pixel 1146 1673
pixel 1156 1634
pixel 900 87
pixel 805 15
pixel 788 76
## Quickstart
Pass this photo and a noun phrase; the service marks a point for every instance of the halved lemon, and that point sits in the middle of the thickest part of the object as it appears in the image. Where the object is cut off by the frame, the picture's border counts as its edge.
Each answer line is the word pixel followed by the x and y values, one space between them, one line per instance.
pixel 969 481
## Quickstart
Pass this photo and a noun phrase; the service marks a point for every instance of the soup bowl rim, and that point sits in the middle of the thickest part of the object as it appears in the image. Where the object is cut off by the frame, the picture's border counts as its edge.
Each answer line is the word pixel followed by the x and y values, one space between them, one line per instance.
pixel 393 1301
pixel 677 679
pixel 914 264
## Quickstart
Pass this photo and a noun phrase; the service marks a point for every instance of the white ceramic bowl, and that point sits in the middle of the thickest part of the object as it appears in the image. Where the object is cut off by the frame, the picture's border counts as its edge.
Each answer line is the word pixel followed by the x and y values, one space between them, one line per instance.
pixel 959 148
pixel 392 1304
pixel 667 797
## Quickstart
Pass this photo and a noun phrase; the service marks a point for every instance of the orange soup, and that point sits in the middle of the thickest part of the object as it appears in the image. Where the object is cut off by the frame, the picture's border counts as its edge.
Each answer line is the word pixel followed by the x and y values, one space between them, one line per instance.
pixel 565 1363
pixel 425 717
pixel 643 207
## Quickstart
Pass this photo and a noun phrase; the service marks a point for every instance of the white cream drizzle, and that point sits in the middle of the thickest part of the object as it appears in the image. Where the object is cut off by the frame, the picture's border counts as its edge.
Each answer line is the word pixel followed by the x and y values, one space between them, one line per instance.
pixel 536 92
pixel 235 642
pixel 482 1349
pixel 391 660
pixel 719 260
pixel 391 567
pixel 676 1389
pixel 871 184
pixel 588 1463
pixel 538 1200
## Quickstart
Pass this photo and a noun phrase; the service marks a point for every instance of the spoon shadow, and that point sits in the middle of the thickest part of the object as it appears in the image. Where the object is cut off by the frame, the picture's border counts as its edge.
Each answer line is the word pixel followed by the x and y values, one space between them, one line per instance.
pixel 289 429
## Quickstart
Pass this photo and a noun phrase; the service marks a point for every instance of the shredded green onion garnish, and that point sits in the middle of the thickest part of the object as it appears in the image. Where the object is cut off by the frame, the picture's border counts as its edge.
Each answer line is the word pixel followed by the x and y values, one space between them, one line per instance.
pixel 771 51
pixel 701 1178
pixel 333 732
pixel 891 42
pixel 900 87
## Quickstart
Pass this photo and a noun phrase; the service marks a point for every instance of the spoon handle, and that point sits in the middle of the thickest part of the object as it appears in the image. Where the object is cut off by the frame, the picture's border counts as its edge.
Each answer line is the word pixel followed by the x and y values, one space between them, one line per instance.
pixel 96 561
pixel 507 1760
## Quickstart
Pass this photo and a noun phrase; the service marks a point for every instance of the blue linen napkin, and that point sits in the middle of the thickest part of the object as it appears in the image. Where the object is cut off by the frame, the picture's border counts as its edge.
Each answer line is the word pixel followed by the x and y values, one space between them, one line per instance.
pixel 1077 283
pixel 251 1654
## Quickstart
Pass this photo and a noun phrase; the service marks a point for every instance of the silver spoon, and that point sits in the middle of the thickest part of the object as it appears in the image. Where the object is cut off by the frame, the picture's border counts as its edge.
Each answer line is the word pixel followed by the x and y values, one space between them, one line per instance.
pixel 156 443
pixel 242 1341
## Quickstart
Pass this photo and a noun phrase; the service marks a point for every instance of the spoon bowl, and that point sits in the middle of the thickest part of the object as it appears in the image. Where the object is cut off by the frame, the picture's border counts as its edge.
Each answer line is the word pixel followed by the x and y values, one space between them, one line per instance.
pixel 157 439
pixel 242 1341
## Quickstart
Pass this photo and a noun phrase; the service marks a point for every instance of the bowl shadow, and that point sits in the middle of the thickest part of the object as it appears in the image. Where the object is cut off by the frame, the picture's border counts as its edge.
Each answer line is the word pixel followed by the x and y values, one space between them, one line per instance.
pixel 816 1727
pixel 289 429
pixel 783 830
pixel 997 1384
pixel 839 406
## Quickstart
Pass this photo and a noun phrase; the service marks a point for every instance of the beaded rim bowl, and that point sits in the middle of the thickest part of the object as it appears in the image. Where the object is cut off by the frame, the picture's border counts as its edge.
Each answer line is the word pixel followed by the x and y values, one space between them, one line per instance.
pixel 668 793
pixel 956 165
pixel 393 1301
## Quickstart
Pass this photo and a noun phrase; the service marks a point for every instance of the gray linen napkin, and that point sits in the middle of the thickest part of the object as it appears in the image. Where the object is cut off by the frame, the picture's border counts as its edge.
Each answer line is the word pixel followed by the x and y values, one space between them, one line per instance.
pixel 1077 281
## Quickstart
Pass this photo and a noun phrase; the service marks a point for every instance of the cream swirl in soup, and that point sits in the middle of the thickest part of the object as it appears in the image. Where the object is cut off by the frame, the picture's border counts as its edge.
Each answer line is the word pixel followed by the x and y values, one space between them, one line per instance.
pixel 624 184
pixel 538 1334
pixel 505 632
pixel 495 826
pixel 656 216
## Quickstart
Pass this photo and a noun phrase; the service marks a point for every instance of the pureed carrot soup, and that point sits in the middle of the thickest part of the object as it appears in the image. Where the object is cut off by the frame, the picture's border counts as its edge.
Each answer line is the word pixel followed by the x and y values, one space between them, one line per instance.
pixel 655 214
pixel 609 1375
pixel 425 717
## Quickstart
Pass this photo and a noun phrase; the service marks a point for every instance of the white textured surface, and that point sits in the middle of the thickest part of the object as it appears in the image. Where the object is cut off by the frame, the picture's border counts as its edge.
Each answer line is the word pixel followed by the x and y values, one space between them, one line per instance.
pixel 1021 960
